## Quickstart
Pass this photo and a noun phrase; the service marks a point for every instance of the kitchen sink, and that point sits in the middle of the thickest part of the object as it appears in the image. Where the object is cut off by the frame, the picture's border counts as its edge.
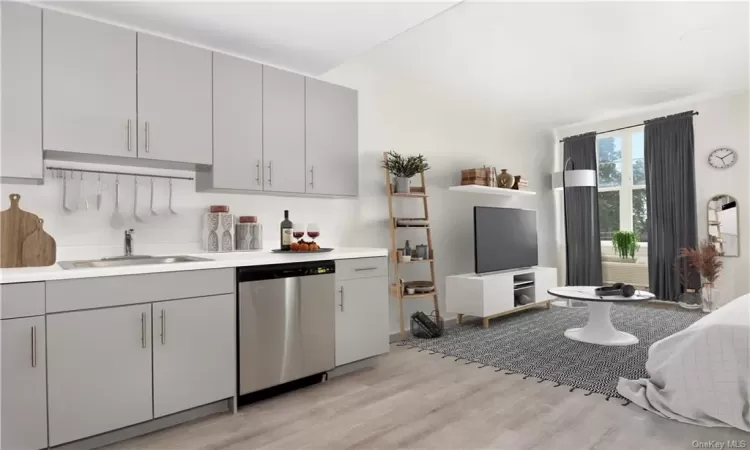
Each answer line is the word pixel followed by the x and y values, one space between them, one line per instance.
pixel 121 261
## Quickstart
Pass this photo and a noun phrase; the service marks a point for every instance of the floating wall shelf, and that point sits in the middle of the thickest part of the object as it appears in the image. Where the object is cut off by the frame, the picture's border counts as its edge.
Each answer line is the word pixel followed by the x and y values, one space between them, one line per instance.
pixel 476 189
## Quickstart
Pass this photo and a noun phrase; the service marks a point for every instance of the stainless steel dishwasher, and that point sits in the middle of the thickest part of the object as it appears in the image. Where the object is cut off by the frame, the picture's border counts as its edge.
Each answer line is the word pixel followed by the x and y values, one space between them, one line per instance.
pixel 286 323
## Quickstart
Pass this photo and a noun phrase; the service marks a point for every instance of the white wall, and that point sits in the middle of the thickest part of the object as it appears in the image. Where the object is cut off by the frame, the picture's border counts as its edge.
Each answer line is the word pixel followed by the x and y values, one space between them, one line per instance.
pixel 722 122
pixel 394 114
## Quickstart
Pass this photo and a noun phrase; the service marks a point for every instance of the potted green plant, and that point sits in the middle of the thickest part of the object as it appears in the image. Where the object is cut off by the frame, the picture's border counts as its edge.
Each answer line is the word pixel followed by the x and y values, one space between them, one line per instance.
pixel 404 168
pixel 625 244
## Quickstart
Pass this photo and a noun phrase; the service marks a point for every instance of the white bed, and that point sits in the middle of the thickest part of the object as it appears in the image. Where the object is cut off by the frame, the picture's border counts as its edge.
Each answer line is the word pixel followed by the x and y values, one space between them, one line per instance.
pixel 700 375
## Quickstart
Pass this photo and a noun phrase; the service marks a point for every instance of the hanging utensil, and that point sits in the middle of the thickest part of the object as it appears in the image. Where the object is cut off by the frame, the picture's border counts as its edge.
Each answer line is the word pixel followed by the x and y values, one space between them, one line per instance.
pixel 117 221
pixel 153 213
pixel 82 192
pixel 65 194
pixel 135 202
pixel 99 192
pixel 170 198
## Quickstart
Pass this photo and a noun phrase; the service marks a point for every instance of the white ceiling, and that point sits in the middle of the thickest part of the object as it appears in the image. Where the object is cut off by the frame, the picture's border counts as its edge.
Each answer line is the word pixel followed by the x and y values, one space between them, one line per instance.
pixel 548 63
pixel 308 37
pixel 562 63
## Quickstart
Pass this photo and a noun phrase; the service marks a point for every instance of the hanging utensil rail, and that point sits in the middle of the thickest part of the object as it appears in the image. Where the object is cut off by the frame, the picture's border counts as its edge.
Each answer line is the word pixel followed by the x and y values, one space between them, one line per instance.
pixel 106 172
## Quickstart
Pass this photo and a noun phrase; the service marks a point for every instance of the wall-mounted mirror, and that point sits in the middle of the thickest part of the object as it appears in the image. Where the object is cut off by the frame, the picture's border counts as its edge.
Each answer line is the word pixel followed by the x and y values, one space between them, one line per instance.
pixel 724 224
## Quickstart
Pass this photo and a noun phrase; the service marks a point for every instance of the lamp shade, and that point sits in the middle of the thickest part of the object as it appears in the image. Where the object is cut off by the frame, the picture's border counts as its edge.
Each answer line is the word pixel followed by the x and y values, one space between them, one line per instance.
pixel 574 178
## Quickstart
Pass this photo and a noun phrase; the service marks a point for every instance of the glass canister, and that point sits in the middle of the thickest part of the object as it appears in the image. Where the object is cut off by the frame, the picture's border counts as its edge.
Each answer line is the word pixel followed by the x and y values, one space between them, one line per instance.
pixel 249 233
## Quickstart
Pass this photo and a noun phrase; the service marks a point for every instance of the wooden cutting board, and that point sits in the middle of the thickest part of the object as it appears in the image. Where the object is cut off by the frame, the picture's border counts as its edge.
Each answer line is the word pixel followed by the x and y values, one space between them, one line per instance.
pixel 15 226
pixel 39 248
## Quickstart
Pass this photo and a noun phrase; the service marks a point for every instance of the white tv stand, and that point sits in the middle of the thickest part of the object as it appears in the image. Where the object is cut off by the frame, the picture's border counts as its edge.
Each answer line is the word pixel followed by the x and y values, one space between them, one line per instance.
pixel 492 295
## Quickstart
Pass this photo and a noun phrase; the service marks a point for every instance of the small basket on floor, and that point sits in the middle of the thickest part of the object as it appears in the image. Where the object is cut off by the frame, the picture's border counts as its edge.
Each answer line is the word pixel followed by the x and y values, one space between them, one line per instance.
pixel 426 326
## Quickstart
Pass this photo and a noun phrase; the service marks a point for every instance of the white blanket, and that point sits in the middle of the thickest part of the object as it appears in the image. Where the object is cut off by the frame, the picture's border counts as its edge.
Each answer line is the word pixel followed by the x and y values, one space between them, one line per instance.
pixel 700 375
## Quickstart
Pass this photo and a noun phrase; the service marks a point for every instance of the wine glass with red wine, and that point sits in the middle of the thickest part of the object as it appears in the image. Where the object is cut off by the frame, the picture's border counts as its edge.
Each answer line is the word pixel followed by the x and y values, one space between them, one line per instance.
pixel 313 231
pixel 298 231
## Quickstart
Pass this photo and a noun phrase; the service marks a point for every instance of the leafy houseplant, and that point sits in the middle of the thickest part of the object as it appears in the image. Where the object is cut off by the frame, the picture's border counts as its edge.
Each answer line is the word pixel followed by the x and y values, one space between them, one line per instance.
pixel 705 259
pixel 625 244
pixel 403 168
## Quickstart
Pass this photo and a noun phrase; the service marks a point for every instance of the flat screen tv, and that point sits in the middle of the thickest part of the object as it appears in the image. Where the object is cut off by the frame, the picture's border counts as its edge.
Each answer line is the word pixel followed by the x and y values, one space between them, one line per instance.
pixel 504 239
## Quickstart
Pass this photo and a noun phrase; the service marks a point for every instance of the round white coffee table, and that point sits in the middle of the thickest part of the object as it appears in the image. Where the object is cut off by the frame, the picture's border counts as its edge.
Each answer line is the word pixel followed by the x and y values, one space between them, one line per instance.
pixel 599 329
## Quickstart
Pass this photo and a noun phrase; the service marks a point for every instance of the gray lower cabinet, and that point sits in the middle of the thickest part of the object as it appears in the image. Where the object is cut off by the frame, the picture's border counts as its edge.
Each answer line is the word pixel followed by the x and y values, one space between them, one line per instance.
pixel 99 371
pixel 194 352
pixel 238 126
pixel 174 101
pixel 362 317
pixel 331 139
pixel 21 93
pixel 283 131
pixel 24 388
pixel 89 86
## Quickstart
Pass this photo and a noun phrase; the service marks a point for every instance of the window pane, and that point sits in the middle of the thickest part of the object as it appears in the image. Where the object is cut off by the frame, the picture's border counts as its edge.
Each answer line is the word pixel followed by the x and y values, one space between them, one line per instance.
pixel 640 214
pixel 639 168
pixel 609 214
pixel 610 161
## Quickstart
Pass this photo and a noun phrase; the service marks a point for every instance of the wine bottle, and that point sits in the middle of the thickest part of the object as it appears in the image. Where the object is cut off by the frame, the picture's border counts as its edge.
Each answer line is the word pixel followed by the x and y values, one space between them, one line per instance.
pixel 286 232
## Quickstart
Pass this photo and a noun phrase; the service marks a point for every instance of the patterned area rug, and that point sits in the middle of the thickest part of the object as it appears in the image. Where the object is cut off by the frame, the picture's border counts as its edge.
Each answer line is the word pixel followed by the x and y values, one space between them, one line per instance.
pixel 531 343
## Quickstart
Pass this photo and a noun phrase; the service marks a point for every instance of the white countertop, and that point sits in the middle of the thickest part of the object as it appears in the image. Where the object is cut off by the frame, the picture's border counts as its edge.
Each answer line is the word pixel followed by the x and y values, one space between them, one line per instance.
pixel 219 260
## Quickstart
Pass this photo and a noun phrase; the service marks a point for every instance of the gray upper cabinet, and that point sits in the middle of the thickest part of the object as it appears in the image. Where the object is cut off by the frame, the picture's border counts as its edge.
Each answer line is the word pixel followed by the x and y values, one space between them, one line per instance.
pixel 89 86
pixel 283 131
pixel 331 139
pixel 238 126
pixel 21 144
pixel 174 101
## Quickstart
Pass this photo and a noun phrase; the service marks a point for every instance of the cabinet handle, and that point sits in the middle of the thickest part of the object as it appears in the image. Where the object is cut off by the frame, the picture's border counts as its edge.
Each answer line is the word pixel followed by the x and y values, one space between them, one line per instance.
pixel 146 141
pixel 33 346
pixel 130 148
pixel 269 173
pixel 312 176
pixel 341 305
pixel 257 173
pixel 163 327
pixel 360 269
pixel 143 330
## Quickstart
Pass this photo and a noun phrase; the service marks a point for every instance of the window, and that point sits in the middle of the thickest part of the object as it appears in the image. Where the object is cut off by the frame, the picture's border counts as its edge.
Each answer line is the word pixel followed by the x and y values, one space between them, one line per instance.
pixel 622 183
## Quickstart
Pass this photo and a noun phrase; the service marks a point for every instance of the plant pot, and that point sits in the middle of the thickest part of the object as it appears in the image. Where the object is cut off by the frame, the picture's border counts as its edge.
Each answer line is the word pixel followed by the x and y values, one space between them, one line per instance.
pixel 403 185
pixel 709 297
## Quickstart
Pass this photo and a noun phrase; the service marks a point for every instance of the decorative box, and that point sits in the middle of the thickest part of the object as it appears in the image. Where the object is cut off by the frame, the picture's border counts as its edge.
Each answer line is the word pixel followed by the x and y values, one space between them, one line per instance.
pixel 218 232
pixel 474 176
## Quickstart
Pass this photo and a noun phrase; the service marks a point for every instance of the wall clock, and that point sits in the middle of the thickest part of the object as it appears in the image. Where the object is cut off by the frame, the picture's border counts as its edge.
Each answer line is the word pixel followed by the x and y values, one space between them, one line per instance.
pixel 722 158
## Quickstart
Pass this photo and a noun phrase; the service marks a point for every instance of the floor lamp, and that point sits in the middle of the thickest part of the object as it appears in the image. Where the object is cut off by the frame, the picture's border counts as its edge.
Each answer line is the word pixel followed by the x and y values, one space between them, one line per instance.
pixel 571 179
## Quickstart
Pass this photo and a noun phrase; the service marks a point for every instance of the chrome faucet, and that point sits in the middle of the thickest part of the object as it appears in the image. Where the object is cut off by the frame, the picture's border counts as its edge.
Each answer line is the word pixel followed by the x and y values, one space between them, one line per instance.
pixel 129 242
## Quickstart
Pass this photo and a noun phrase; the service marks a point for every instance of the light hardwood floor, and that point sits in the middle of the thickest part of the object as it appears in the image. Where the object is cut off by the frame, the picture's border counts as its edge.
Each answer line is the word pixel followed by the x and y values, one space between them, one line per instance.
pixel 416 400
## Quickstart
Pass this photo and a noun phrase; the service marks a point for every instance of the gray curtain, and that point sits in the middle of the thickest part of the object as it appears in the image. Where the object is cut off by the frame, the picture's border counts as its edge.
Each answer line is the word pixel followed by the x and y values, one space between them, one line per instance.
pixel 670 196
pixel 584 252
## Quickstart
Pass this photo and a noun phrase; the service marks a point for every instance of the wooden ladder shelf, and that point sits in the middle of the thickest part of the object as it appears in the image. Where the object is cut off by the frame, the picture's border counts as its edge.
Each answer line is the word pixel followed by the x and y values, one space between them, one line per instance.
pixel 396 289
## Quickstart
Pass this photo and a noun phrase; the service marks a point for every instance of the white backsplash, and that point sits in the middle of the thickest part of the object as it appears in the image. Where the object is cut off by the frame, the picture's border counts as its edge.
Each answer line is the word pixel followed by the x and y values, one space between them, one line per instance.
pixel 89 233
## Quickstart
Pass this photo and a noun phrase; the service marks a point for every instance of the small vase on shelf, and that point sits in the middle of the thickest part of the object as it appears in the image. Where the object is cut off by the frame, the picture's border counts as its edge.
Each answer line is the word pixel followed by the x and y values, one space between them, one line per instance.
pixel 505 180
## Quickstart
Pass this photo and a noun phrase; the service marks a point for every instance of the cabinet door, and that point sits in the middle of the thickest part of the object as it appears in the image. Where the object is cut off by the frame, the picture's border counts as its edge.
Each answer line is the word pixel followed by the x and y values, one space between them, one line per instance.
pixel 89 86
pixel 238 124
pixel 21 142
pixel 24 384
pixel 331 139
pixel 361 319
pixel 98 371
pixel 283 131
pixel 194 352
pixel 174 101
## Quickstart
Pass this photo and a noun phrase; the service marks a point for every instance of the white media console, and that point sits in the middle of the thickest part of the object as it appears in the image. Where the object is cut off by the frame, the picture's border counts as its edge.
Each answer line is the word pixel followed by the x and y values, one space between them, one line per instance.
pixel 495 294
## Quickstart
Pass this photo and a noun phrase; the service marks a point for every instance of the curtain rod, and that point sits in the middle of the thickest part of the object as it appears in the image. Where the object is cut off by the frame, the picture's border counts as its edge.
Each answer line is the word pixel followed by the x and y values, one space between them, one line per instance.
pixel 695 113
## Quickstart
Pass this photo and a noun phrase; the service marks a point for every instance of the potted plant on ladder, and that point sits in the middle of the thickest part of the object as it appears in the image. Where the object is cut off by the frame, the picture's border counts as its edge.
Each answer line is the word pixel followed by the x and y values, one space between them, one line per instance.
pixel 403 169
pixel 625 244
